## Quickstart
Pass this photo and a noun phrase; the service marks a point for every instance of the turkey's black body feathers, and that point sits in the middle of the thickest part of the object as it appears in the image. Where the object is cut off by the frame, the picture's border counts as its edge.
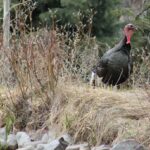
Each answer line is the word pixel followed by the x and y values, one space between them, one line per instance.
pixel 115 65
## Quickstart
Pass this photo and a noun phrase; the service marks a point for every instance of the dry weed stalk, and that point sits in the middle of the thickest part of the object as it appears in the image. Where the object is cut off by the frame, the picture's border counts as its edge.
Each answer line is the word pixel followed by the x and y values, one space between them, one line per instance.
pixel 35 62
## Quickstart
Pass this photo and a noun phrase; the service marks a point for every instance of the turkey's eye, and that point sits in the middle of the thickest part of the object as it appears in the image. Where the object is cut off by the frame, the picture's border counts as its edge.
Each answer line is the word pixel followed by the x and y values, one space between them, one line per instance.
pixel 131 26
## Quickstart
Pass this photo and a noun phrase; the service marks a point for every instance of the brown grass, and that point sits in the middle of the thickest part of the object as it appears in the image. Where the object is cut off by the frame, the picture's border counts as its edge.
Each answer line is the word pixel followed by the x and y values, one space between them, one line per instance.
pixel 103 115
pixel 98 116
pixel 45 89
pixel 93 115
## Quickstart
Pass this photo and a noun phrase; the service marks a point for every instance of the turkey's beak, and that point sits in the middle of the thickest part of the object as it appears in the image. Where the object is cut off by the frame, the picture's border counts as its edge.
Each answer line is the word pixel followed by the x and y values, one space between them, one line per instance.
pixel 135 28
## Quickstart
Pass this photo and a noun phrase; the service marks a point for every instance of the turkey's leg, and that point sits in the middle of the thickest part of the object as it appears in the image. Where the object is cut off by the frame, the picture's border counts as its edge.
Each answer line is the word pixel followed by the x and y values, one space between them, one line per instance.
pixel 93 79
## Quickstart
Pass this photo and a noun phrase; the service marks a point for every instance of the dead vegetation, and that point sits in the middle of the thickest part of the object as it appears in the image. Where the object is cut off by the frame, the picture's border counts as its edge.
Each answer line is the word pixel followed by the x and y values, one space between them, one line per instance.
pixel 45 89
pixel 99 116
pixel 104 115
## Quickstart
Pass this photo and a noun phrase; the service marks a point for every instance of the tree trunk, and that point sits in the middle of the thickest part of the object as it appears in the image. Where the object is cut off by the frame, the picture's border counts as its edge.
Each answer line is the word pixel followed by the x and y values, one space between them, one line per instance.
pixel 6 23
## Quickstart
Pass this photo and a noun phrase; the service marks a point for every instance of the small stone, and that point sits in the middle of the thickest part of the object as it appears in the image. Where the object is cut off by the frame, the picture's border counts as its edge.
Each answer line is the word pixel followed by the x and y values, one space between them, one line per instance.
pixel 45 138
pixel 37 135
pixel 68 138
pixel 77 146
pixel 27 148
pixel 12 141
pixel 130 144
pixel 35 143
pixel 3 136
pixel 62 144
pixel 84 148
pixel 48 137
pixel 102 147
pixel 49 146
pixel 23 139
pixel 41 146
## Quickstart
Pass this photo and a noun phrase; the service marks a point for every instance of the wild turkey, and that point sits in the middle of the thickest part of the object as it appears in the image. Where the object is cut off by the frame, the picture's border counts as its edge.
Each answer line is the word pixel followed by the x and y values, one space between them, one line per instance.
pixel 115 66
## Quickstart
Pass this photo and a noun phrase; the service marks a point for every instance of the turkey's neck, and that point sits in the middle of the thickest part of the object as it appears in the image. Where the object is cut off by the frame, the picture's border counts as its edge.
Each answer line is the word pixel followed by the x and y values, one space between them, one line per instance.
pixel 125 45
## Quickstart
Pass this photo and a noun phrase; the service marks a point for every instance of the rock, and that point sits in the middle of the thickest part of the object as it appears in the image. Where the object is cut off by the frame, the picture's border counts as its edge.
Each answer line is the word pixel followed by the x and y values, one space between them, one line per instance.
pixel 48 137
pixel 49 146
pixel 37 135
pixel 12 142
pixel 41 146
pixel 62 144
pixel 85 147
pixel 45 138
pixel 27 148
pixel 35 143
pixel 68 138
pixel 102 147
pixel 72 148
pixel 23 139
pixel 130 144
pixel 3 136
pixel 77 146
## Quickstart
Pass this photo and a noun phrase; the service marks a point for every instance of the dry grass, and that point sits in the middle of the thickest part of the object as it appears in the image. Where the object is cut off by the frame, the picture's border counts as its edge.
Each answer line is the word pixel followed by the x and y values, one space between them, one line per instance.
pixel 39 93
pixel 93 115
pixel 103 115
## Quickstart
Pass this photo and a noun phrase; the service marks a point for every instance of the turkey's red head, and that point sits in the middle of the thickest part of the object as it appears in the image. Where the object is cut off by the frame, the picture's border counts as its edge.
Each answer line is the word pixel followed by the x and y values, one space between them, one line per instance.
pixel 129 29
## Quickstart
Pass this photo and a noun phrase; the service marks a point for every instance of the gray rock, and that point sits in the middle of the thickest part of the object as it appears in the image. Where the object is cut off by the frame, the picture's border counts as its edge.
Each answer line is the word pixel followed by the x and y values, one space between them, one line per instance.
pixel 48 137
pixel 77 146
pixel 62 144
pixel 130 144
pixel 12 142
pixel 45 138
pixel 35 143
pixel 23 139
pixel 67 138
pixel 102 147
pixel 37 135
pixel 27 148
pixel 3 136
pixel 84 148
pixel 41 147
pixel 50 146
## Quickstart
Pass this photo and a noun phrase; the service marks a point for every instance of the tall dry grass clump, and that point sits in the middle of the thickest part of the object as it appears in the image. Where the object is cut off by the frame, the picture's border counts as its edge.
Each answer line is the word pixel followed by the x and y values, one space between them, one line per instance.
pixel 35 63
